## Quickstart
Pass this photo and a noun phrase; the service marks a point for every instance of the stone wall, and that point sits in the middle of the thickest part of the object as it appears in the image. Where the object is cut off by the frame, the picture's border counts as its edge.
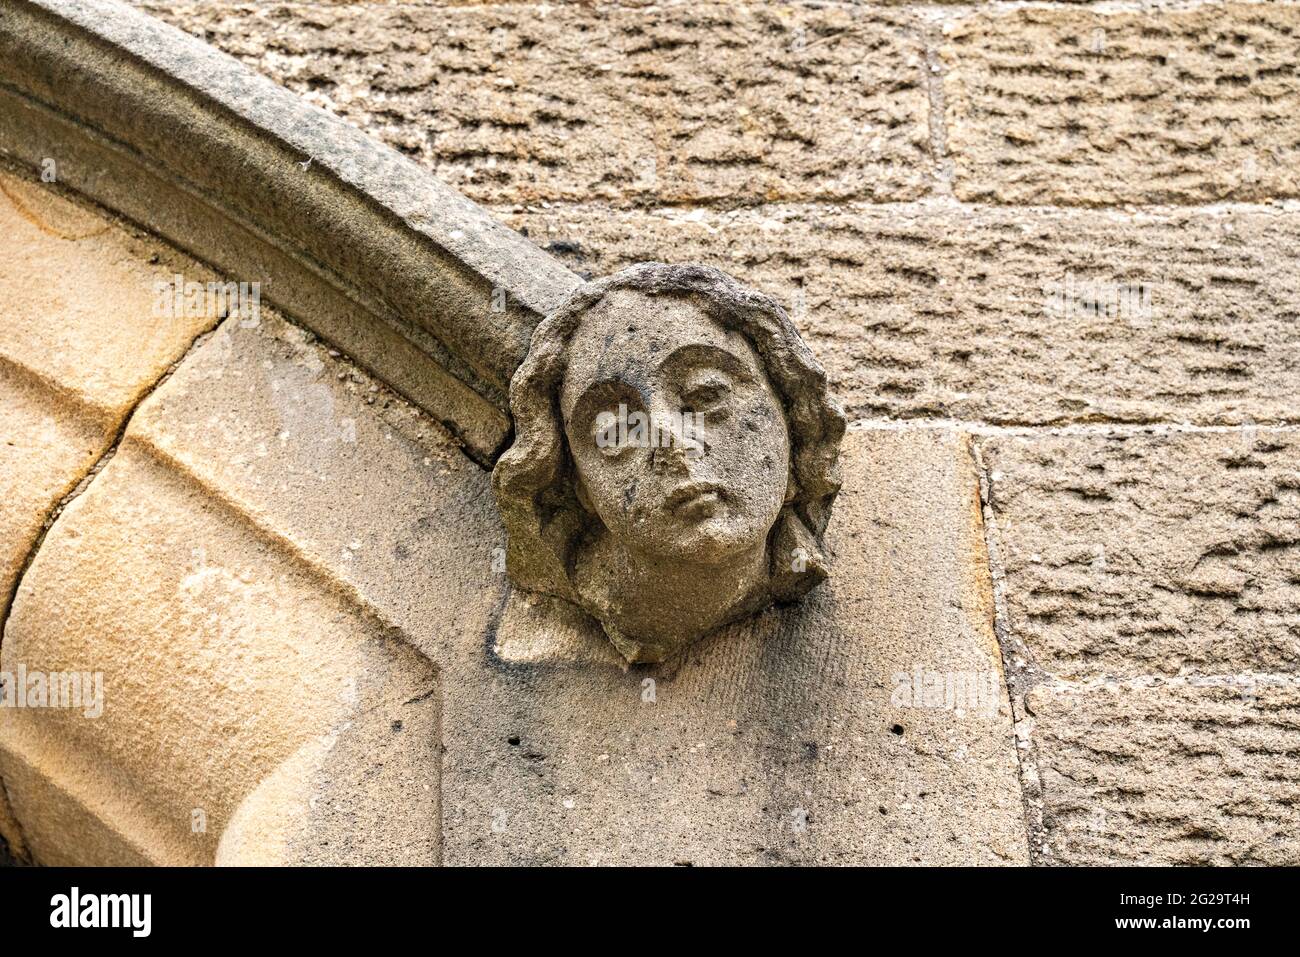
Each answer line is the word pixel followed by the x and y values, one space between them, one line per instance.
pixel 1070 231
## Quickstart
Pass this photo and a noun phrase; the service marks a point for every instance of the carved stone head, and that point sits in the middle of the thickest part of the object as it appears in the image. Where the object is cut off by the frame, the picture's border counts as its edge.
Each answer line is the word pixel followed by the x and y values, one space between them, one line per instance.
pixel 675 457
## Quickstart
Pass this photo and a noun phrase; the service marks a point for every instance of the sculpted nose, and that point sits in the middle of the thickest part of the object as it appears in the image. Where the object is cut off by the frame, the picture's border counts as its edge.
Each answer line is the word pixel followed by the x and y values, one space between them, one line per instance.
pixel 667 451
pixel 671 458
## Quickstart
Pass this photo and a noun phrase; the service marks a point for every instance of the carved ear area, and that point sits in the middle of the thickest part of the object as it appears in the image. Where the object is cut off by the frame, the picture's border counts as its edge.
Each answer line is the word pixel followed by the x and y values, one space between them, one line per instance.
pixel 798 560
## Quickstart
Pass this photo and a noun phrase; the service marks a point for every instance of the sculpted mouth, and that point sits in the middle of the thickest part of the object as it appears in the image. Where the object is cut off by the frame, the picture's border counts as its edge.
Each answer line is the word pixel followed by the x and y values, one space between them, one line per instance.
pixel 694 494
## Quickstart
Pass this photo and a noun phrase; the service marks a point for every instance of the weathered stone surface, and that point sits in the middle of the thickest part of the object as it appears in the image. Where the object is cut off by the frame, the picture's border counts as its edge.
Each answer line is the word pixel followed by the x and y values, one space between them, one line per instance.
pixel 79 345
pixel 12 850
pixel 80 301
pixel 772 742
pixel 248 716
pixel 348 236
pixel 1175 772
pixel 328 752
pixel 675 457
pixel 940 310
pixel 47 447
pixel 366 490
pixel 568 789
pixel 685 103
pixel 234 515
pixel 797 730
pixel 1143 554
pixel 1151 585
pixel 1076 107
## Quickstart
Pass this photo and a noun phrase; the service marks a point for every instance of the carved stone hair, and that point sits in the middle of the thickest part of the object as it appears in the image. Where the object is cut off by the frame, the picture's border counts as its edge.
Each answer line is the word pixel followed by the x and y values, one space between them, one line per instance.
pixel 534 480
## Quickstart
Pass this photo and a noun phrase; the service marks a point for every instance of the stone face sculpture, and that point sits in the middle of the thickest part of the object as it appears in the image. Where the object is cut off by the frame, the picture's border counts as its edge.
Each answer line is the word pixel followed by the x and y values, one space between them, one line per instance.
pixel 675 457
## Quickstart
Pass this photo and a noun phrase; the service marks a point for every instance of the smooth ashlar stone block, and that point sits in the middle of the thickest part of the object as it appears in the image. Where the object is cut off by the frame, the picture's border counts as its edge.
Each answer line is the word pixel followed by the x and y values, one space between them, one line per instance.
pixel 368 491
pixel 249 714
pixel 840 729
pixel 1076 107
pixel 45 448
pixel 264 503
pixel 80 343
pixel 80 298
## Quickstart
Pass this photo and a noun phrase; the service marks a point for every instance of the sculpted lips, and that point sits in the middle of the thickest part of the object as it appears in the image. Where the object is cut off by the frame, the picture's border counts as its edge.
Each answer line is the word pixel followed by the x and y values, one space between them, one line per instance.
pixel 695 498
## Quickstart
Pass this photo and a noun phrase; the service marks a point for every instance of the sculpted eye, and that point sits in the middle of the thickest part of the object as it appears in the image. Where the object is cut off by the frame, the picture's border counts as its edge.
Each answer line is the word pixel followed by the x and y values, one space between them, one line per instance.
pixel 707 392
pixel 615 433
pixel 605 433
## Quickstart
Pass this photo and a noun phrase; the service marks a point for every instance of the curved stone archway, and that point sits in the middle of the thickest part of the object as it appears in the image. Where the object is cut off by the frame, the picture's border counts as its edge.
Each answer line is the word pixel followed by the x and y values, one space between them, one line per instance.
pixel 1065 536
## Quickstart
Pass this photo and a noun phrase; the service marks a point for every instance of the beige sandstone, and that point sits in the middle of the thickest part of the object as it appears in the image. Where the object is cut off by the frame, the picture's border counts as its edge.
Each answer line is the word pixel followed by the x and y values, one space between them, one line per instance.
pixel 680 104
pixel 1081 108
pixel 937 310
pixel 1180 772
pixel 79 345
pixel 80 296
pixel 276 525
pixel 48 446
pixel 268 456
pixel 801 711
pixel 1151 604
pixel 234 695
pixel 236 682
pixel 1131 554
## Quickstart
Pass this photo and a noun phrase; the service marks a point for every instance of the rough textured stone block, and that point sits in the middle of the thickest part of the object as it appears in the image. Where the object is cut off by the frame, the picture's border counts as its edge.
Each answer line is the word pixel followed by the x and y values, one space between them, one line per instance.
pixel 1006 316
pixel 682 104
pixel 1141 554
pixel 1181 772
pixel 1075 107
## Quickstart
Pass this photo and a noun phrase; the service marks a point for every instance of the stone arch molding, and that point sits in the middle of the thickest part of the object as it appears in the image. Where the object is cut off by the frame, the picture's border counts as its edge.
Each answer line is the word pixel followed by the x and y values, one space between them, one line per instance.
pixel 365 248
pixel 660 539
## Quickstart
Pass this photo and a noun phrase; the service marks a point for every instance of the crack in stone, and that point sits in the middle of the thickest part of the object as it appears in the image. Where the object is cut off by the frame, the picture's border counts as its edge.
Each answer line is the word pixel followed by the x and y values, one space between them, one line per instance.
pixel 1018 672
pixel 52 516
pixel 938 120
